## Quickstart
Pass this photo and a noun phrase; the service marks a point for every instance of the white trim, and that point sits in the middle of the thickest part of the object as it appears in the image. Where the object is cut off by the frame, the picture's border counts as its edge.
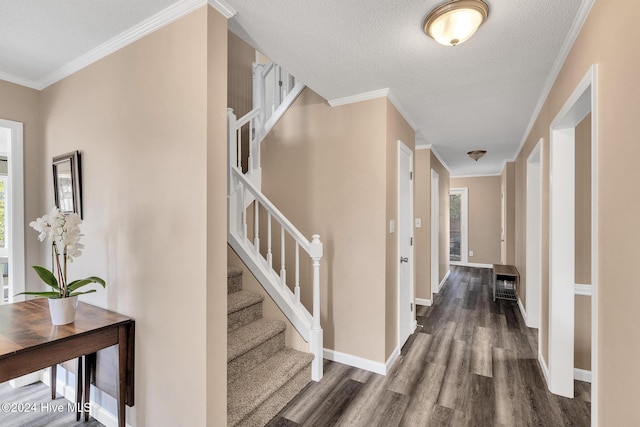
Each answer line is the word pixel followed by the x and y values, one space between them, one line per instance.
pixel 582 289
pixel 360 362
pixel 282 108
pixel 149 25
pixel 403 111
pixel 365 96
pixel 17 80
pixel 581 17
pixel 543 367
pixel 15 199
pixel 582 375
pixel 423 301
pixel 435 152
pixel 523 312
pixel 533 235
pixel 595 286
pixel 99 413
pixel 223 7
pixel 24 380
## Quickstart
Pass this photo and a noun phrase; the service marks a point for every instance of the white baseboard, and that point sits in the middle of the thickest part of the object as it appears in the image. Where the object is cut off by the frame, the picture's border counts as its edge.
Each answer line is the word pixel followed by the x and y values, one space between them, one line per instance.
pixel 100 414
pixel 544 368
pixel 361 362
pixel 444 280
pixel 422 301
pixel 523 312
pixel 24 380
pixel 471 264
pixel 582 375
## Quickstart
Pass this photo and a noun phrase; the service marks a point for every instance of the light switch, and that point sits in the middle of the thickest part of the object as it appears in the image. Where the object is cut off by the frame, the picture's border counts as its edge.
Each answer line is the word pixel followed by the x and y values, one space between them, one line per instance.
pixel 418 222
pixel 392 226
pixel 470 253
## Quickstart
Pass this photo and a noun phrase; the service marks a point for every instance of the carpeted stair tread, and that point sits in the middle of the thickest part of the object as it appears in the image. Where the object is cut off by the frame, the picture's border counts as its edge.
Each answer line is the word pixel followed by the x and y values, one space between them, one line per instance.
pixel 253 387
pixel 234 279
pixel 252 335
pixel 242 299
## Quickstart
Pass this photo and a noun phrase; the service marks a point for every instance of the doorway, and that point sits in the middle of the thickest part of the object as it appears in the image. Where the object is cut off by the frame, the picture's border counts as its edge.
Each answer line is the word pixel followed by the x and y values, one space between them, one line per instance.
pixel 533 264
pixel 458 226
pixel 406 322
pixel 12 263
pixel 562 240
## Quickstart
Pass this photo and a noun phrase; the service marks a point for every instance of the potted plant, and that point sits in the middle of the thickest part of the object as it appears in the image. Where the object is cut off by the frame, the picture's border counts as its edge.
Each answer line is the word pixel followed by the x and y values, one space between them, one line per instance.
pixel 63 232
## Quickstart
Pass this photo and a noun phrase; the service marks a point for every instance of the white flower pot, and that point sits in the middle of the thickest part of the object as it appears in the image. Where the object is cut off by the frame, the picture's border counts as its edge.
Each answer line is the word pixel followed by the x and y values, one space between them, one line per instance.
pixel 63 310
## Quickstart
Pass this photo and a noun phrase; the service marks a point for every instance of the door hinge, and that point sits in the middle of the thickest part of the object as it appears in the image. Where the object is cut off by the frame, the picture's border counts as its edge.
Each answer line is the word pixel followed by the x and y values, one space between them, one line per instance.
pixel 410 175
pixel 280 83
pixel 411 306
pixel 411 241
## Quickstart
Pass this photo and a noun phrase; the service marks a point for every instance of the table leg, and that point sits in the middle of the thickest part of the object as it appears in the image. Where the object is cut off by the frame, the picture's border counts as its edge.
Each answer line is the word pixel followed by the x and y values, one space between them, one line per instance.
pixel 89 373
pixel 54 372
pixel 123 348
pixel 79 389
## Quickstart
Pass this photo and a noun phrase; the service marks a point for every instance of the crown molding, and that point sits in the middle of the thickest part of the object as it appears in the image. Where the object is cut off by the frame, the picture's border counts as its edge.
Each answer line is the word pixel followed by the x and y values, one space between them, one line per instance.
pixel 18 80
pixel 572 35
pixel 486 175
pixel 223 7
pixel 374 94
pixel 435 152
pixel 149 25
pixel 403 112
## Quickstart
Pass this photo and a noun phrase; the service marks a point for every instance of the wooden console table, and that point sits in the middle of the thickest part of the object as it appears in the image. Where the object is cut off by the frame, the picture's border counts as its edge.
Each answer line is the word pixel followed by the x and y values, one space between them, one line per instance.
pixel 28 342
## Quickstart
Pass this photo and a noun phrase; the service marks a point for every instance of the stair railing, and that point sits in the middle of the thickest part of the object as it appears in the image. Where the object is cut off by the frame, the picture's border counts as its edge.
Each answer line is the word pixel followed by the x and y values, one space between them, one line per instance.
pixel 259 259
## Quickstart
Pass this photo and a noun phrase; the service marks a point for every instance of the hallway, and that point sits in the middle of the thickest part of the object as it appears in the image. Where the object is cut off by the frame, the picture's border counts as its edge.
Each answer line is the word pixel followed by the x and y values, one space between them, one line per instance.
pixel 471 362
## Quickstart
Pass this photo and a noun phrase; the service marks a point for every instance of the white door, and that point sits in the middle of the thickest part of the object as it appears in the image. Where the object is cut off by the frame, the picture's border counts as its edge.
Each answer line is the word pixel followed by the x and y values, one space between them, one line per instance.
pixel 435 232
pixel 405 243
pixel 533 272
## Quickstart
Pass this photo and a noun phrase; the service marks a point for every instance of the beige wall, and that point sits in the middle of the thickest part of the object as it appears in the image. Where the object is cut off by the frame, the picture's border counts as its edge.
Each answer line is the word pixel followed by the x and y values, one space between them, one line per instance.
pixel 583 201
pixel 618 105
pixel 325 169
pixel 158 238
pixel 240 72
pixel 508 185
pixel 582 345
pixel 443 173
pixel 484 217
pixel 397 130
pixel 20 104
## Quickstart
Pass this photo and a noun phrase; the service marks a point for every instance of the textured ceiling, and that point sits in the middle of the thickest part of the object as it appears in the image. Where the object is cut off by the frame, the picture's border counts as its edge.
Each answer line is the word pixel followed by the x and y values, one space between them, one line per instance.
pixel 479 95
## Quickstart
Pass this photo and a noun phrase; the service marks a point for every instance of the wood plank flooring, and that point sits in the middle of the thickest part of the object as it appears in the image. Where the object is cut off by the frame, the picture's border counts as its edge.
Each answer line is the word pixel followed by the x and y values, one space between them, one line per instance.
pixel 473 362
pixel 31 406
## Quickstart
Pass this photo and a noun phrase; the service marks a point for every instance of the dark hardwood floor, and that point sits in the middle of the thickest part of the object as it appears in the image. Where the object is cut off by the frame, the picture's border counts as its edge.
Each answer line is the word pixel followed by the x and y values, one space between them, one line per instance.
pixel 473 362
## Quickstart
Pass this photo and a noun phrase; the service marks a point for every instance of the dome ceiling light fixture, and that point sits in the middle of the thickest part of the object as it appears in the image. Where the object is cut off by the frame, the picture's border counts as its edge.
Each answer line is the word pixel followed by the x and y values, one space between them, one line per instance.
pixel 455 21
pixel 476 154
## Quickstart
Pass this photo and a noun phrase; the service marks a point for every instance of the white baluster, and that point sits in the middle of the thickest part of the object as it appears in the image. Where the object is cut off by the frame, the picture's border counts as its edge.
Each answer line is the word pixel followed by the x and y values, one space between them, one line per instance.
pixel 269 254
pixel 239 134
pixel 297 286
pixel 250 160
pixel 315 344
pixel 256 234
pixel 244 214
pixel 283 270
pixel 231 148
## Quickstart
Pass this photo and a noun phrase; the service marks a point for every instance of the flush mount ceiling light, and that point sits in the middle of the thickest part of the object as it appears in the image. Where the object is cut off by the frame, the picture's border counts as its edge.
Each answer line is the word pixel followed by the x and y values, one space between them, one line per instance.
pixel 476 154
pixel 455 21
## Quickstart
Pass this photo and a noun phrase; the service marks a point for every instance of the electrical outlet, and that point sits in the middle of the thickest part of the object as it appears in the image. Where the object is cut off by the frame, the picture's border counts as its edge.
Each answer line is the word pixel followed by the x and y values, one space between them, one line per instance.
pixel 418 222
pixel 470 253
pixel 392 226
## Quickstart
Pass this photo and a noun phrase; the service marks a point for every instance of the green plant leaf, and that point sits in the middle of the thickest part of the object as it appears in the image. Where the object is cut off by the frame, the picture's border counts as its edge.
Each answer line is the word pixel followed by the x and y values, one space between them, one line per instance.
pixel 83 282
pixel 46 276
pixel 41 294
pixel 82 293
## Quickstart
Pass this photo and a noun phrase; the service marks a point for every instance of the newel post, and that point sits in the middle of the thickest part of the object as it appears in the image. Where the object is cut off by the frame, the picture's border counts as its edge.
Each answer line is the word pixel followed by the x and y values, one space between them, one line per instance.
pixel 316 343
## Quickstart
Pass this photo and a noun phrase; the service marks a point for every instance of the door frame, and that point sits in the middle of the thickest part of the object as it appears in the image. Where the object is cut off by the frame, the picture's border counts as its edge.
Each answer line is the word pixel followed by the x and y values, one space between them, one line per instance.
pixel 464 225
pixel 435 232
pixel 533 231
pixel 15 200
pixel 403 149
pixel 582 101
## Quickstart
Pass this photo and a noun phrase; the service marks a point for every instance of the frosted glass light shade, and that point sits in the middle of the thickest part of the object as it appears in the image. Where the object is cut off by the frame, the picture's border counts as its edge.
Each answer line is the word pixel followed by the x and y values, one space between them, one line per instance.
pixel 456 21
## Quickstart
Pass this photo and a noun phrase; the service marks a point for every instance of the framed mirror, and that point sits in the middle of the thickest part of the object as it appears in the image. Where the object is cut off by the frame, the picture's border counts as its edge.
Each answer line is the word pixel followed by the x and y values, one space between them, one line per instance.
pixel 67 186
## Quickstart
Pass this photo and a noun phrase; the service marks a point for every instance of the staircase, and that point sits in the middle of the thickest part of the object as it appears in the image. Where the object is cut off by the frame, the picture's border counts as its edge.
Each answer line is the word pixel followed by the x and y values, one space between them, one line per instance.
pixel 262 374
